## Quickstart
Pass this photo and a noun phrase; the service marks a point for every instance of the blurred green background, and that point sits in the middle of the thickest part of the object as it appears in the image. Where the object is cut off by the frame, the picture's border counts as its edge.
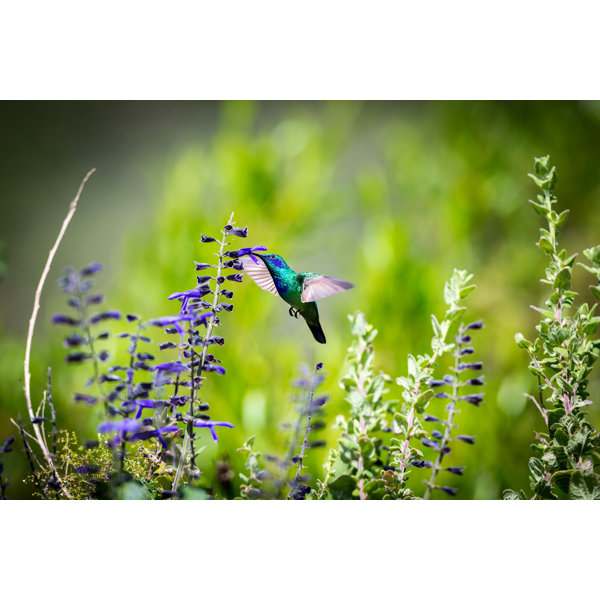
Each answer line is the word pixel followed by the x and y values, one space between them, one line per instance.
pixel 389 195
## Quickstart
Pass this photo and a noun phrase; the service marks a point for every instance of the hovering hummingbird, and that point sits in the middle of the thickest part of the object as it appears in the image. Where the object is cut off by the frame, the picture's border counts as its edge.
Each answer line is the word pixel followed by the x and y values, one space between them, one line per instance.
pixel 299 290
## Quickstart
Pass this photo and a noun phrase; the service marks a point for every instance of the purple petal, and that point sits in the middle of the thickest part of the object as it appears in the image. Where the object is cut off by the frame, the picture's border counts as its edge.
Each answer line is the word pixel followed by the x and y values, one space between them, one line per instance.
pixel 171 367
pixel 91 269
pixel 64 320
pixel 124 426
pixel 170 320
pixel 211 425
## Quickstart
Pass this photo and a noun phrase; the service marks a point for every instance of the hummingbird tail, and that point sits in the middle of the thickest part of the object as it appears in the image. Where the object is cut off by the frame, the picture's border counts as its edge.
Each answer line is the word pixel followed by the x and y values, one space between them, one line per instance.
pixel 317 332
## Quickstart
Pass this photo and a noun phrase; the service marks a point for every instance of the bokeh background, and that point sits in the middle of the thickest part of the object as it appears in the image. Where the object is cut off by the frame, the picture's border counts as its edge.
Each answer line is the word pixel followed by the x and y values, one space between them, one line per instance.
pixel 389 195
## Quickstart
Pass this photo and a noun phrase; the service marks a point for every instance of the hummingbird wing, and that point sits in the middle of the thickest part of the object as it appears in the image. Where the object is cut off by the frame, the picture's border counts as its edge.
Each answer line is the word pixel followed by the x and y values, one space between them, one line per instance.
pixel 321 286
pixel 259 273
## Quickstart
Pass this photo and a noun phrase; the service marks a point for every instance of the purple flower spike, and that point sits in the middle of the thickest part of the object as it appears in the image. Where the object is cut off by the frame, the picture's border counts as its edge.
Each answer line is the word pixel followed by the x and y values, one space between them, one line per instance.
pixel 211 425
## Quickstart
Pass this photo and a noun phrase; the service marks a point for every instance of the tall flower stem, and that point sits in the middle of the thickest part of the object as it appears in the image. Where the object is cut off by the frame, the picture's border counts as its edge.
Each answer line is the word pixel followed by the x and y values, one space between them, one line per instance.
pixel 449 423
pixel 308 420
pixel 189 430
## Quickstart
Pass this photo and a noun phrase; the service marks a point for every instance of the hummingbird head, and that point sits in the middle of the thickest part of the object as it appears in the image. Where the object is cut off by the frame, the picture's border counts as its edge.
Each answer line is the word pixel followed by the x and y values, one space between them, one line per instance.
pixel 274 261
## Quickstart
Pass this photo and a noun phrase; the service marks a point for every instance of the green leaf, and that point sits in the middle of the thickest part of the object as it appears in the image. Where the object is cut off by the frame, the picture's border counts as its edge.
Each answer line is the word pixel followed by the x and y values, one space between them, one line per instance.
pixel 584 485
pixel 563 280
pixel 540 164
pixel 522 342
pixel 131 490
pixel 423 400
pixel 435 324
pixel 510 494
pixel 466 291
pixel 546 246
pixel 341 487
pixel 540 209
pixel 593 255
pixel 193 493
pixel 536 467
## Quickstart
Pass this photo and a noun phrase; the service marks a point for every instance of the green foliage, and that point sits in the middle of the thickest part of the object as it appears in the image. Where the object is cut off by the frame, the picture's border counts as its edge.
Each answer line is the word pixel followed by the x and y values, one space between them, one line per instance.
pixel 251 484
pixel 416 393
pixel 88 472
pixel 360 444
pixel 363 444
pixel 566 456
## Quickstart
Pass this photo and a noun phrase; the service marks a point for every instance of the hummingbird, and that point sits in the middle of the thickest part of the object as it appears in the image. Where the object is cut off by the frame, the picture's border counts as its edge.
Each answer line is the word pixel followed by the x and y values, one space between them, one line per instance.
pixel 299 290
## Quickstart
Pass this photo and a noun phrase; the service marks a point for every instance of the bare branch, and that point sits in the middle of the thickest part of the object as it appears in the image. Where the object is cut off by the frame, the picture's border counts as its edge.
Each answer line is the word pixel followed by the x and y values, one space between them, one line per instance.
pixel 36 308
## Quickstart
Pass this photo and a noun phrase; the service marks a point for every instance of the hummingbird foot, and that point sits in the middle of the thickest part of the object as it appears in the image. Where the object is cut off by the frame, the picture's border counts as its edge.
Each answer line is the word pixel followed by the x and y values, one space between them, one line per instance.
pixel 293 312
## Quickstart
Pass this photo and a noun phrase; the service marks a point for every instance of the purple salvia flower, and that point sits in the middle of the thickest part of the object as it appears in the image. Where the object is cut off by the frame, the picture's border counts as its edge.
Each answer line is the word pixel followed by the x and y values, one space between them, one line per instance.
pixel 147 403
pixel 431 418
pixel 108 314
pixel 422 464
pixel 91 269
pixel 476 366
pixel 76 357
pixel 468 439
pixel 74 340
pixel 121 427
pixel 475 399
pixel 202 266
pixel 207 239
pixel 171 367
pixel 214 368
pixel 211 425
pixel 238 231
pixel 171 320
pixel 430 444
pixel 87 398
pixel 146 434
pixel 188 294
pixel 455 470
pixel 448 490
pixel 64 320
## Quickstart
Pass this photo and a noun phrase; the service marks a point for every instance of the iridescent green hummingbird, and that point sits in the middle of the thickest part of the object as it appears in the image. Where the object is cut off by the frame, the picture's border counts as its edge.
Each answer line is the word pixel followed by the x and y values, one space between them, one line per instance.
pixel 299 290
